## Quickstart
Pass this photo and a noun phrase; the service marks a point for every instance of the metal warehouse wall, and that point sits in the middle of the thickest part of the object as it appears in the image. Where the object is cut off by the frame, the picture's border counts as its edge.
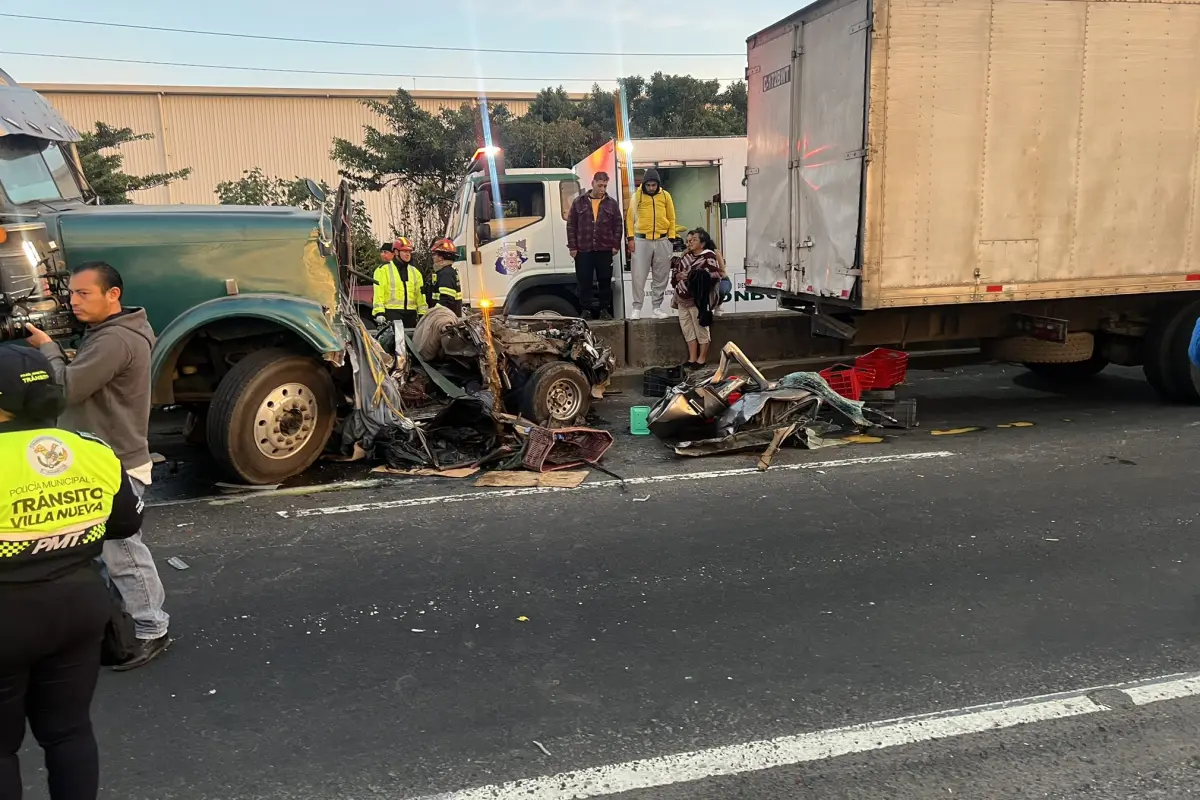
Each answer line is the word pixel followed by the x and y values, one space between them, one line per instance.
pixel 221 132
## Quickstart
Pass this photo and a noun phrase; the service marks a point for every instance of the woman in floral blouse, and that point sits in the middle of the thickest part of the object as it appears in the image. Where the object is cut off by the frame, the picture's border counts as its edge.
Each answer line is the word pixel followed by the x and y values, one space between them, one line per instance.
pixel 695 278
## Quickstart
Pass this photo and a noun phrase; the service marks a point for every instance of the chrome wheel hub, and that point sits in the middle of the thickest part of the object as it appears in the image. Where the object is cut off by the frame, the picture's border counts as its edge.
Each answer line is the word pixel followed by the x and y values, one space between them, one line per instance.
pixel 285 421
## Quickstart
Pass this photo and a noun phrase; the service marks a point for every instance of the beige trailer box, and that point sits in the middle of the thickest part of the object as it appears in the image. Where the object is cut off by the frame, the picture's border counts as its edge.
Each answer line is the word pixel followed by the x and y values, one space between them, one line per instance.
pixel 934 152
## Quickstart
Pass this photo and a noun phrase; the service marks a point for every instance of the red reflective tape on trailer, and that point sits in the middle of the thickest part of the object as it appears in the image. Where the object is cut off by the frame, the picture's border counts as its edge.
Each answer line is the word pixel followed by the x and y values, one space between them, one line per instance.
pixel 778 285
pixel 749 281
pixel 845 292
pixel 996 288
pixel 1193 278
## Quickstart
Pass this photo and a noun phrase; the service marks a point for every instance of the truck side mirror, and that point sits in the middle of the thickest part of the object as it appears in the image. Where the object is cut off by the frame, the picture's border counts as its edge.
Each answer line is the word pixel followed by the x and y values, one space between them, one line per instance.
pixel 483 233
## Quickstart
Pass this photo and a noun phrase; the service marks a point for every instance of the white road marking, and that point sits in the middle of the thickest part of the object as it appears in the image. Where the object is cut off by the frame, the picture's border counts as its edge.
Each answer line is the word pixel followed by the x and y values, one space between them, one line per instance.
pixel 411 502
pixel 788 750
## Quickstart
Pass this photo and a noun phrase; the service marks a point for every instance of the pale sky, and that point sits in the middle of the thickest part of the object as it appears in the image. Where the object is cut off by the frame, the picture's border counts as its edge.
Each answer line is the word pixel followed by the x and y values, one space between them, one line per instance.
pixel 699 28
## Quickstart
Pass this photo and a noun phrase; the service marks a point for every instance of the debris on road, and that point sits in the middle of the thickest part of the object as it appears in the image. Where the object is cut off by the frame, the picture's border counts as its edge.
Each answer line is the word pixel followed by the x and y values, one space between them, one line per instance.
pixel 958 431
pixel 726 413
pixel 424 472
pixel 541 747
pixel 485 391
pixel 177 563
pixel 1015 425
pixel 522 619
pixel 570 479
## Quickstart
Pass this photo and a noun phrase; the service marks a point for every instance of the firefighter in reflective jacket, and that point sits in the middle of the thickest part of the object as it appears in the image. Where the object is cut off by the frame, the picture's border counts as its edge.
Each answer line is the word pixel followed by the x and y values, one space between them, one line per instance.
pixel 399 288
pixel 447 291
pixel 62 494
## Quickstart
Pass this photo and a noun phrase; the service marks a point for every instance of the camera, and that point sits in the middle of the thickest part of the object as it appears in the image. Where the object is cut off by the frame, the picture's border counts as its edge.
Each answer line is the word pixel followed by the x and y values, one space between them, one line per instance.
pixel 33 283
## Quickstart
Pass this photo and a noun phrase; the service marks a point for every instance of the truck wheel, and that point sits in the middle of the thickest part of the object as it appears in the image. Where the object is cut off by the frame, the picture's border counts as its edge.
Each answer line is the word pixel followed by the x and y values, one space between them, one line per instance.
pixel 1072 372
pixel 1166 364
pixel 546 305
pixel 271 416
pixel 558 393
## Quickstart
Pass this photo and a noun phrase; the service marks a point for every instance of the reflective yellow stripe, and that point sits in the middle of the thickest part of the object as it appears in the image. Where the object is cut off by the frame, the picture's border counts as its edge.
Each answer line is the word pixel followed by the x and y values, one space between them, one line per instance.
pixel 57 490
pixel 451 293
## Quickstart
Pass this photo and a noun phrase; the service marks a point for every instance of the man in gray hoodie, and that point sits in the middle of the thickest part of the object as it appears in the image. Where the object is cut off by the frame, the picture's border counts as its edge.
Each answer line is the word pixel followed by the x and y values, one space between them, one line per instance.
pixel 108 394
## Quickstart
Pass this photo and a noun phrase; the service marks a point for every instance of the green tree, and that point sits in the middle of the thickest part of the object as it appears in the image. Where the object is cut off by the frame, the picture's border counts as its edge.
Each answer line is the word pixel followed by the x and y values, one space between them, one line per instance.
pixel 425 152
pixel 680 105
pixel 256 188
pixel 104 170
pixel 530 142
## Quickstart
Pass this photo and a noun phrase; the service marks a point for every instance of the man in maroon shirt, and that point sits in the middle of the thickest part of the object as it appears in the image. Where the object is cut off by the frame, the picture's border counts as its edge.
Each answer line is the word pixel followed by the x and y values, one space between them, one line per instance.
pixel 593 237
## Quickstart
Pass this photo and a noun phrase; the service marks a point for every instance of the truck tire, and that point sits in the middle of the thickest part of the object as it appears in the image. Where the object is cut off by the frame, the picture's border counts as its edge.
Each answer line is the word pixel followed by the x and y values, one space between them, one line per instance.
pixel 1072 372
pixel 271 416
pixel 544 304
pixel 557 394
pixel 1166 364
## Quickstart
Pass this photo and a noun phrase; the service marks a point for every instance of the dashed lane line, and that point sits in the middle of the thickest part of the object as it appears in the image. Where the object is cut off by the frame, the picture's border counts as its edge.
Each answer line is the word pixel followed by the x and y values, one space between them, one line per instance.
pixel 790 750
pixel 410 502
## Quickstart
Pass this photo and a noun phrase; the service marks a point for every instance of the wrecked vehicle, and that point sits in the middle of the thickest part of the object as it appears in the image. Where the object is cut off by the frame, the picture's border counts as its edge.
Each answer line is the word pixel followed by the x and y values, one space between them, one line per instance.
pixel 470 392
pixel 728 413
pixel 548 369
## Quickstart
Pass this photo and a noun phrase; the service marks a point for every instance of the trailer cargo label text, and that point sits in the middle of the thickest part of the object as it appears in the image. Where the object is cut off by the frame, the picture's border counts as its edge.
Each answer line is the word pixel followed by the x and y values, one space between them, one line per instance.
pixel 777 78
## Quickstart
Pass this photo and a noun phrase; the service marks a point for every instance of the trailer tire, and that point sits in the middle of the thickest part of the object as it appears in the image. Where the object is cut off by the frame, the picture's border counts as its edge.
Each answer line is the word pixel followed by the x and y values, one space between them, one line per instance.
pixel 1071 372
pixel 287 396
pixel 1167 367
pixel 557 394
pixel 544 304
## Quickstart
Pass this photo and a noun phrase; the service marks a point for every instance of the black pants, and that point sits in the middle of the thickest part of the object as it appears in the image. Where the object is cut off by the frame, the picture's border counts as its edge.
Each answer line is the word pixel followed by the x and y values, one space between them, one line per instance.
pixel 50 636
pixel 595 266
pixel 409 318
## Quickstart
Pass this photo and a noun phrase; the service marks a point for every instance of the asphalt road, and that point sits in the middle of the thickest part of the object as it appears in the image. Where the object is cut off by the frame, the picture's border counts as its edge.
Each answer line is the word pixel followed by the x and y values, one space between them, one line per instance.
pixel 425 637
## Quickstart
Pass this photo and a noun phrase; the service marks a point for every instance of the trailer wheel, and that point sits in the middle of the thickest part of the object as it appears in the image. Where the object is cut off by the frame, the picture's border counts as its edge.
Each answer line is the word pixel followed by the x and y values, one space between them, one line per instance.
pixel 1167 366
pixel 1071 372
pixel 558 393
pixel 271 416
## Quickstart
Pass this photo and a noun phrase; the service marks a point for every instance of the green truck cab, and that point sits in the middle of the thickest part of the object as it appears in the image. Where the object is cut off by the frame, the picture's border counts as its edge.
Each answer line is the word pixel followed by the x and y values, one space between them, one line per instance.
pixel 243 300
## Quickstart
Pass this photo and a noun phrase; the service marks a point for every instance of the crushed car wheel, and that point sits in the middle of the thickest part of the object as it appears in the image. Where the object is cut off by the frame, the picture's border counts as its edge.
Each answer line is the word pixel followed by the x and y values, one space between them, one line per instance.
pixel 558 393
pixel 271 416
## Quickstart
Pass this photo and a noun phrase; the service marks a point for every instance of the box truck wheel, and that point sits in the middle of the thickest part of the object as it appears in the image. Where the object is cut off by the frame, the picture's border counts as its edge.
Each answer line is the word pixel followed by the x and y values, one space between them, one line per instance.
pixel 544 304
pixel 1165 355
pixel 271 416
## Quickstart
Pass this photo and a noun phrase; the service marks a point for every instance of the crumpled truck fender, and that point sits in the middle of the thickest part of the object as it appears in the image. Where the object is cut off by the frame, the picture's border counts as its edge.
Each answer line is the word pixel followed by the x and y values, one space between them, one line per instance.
pixel 310 321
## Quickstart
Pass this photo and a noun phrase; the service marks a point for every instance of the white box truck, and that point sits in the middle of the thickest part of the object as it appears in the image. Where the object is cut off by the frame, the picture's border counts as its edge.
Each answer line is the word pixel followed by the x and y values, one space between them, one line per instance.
pixel 519 258
pixel 1021 173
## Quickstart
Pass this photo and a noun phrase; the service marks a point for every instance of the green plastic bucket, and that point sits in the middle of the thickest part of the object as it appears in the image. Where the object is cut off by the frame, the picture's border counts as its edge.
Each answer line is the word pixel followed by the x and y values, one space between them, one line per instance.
pixel 638 416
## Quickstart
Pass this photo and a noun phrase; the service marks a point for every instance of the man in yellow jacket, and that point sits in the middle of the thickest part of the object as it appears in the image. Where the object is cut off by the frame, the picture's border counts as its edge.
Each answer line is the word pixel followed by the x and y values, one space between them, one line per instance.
pixel 649 226
pixel 399 288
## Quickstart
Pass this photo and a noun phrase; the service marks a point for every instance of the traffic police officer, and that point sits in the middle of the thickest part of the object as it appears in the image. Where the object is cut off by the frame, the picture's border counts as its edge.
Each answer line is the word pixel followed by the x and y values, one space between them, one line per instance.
pixel 399 288
pixel 447 290
pixel 61 495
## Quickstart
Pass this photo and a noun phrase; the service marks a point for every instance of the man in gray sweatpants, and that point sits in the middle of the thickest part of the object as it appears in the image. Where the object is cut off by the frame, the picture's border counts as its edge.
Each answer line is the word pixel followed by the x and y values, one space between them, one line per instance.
pixel 649 226
pixel 108 394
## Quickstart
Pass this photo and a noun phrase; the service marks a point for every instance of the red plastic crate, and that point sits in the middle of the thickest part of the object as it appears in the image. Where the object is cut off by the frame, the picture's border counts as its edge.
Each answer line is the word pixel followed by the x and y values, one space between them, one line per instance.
pixel 888 368
pixel 848 380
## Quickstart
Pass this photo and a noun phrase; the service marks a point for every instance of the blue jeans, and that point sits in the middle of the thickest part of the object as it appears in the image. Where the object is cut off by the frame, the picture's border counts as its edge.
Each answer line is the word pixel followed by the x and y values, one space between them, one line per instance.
pixel 129 568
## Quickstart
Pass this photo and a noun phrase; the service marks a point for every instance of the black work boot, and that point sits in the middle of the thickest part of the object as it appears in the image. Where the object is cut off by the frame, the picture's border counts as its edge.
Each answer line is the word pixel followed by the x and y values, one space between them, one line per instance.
pixel 147 651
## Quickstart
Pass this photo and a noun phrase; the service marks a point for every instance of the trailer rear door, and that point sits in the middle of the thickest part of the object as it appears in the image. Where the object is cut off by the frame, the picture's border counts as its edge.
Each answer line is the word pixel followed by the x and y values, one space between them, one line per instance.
pixel 827 170
pixel 768 153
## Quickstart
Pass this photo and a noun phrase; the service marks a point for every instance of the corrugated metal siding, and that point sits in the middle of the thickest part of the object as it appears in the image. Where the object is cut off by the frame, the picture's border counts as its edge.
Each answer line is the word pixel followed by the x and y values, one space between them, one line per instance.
pixel 1030 149
pixel 221 135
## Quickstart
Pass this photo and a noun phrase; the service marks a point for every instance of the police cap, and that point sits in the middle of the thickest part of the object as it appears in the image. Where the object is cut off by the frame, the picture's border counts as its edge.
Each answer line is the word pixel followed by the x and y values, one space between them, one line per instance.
pixel 28 390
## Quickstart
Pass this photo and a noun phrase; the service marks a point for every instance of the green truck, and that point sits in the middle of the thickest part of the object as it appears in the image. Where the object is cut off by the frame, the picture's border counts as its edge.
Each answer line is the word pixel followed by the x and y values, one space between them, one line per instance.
pixel 243 300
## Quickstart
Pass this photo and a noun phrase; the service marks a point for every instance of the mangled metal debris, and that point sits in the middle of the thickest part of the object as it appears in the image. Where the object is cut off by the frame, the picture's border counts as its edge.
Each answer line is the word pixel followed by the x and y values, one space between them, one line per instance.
pixel 726 413
pixel 467 392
